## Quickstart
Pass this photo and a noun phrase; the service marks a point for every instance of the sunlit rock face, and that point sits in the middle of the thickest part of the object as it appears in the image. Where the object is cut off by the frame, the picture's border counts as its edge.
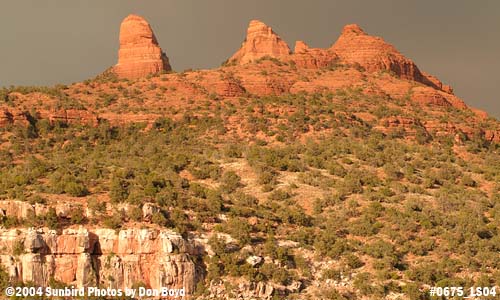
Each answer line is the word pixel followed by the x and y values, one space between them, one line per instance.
pixel 139 53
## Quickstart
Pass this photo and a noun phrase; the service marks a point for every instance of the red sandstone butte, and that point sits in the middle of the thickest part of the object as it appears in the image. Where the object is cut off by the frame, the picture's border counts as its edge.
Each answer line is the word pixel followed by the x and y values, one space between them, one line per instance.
pixel 374 54
pixel 139 53
pixel 261 41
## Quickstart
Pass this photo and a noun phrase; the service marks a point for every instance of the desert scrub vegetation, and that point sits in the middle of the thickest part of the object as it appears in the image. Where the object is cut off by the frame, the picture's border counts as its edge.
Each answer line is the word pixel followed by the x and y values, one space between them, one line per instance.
pixel 379 205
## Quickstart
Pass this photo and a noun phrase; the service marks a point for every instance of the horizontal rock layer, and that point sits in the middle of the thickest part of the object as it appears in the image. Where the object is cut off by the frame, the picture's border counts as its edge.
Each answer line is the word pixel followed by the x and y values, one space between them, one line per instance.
pixel 103 257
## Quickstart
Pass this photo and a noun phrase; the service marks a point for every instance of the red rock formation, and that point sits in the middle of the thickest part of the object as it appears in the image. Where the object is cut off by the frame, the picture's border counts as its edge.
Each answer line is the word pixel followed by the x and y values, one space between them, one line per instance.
pixel 479 113
pixel 331 81
pixel 17 209
pixel 139 53
pixel 305 57
pixel 260 41
pixel 437 83
pixel 13 116
pixel 301 47
pixel 73 116
pixel 6 117
pixel 492 135
pixel 407 124
pixel 452 129
pixel 265 85
pixel 374 54
pixel 79 257
pixel 428 96
pixel 229 88
pixel 224 85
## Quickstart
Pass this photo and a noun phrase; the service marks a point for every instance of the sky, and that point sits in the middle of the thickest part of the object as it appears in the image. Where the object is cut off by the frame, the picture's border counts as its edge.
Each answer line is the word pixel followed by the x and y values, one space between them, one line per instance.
pixel 45 42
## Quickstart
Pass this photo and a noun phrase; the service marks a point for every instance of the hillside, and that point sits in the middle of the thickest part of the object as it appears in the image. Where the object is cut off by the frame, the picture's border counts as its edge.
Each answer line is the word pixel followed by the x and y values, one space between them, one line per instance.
pixel 338 173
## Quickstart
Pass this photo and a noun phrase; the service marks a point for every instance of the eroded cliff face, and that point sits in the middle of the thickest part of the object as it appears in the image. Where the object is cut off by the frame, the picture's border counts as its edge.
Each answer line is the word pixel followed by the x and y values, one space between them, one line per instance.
pixel 102 257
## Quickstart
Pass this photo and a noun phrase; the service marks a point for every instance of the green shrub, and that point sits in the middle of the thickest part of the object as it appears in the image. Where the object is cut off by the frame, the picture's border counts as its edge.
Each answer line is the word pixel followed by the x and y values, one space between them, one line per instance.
pixel 114 221
pixel 233 151
pixel 353 261
pixel 278 275
pixel 96 205
pixel 267 177
pixel 4 279
pixel 75 189
pixel 350 185
pixel 230 182
pixel 77 216
pixel 280 195
pixel 468 181
pixel 334 168
pixel 18 248
pixel 214 202
pixel 365 227
pixel 180 221
pixel 51 218
pixel 327 243
pixel 159 218
pixel 363 283
pixel 135 214
pixel 239 229
pixel 119 190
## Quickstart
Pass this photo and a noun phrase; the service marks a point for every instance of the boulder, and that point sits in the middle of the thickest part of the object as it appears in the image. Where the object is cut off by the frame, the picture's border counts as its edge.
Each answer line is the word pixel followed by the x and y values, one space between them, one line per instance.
pixel 254 260
pixel 148 210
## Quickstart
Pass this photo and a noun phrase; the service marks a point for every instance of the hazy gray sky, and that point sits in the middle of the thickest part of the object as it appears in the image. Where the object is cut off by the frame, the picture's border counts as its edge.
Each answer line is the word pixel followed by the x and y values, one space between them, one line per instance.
pixel 44 42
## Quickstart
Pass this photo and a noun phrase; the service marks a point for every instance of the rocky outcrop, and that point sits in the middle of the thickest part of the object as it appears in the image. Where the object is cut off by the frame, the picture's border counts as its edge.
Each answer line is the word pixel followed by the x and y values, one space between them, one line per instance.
pixel 139 53
pixel 149 210
pixel 13 116
pixel 373 54
pixel 16 209
pixel 229 88
pixel 260 41
pixel 438 128
pixel 313 58
pixel 72 116
pixel 353 48
pixel 24 210
pixel 437 83
pixel 65 116
pixel 244 290
pixel 103 257
pixel 253 290
pixel 492 135
pixel 428 96
pixel 222 85
pixel 6 117
pixel 266 85
pixel 405 125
